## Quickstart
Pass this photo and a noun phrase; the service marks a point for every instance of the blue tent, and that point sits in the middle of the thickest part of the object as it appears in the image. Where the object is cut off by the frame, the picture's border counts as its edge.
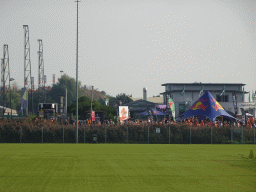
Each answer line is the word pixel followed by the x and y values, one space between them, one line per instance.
pixel 206 106
pixel 154 112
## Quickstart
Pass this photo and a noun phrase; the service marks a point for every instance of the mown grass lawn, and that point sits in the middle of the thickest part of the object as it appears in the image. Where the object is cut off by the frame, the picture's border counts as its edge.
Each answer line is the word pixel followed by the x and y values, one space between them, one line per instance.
pixel 126 167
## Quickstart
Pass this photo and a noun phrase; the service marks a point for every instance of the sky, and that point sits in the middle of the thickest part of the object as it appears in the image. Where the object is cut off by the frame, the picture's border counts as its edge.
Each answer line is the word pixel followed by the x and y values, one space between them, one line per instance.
pixel 125 45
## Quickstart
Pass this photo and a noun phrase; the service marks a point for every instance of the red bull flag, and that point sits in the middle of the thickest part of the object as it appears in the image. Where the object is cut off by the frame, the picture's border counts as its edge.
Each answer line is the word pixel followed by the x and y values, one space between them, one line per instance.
pixel 206 106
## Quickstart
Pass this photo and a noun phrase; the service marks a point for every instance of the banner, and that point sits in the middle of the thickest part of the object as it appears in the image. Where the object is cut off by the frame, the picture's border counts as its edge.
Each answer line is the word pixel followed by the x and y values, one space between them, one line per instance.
pixel 44 79
pixel 61 104
pixel 53 78
pixel 107 101
pixel 171 105
pixel 123 113
pixel 150 114
pixel 93 115
pixel 32 83
pixel 24 96
pixel 234 102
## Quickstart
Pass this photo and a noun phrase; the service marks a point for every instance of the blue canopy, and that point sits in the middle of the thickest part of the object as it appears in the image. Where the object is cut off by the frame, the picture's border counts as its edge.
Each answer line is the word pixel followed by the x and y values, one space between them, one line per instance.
pixel 206 106
pixel 154 112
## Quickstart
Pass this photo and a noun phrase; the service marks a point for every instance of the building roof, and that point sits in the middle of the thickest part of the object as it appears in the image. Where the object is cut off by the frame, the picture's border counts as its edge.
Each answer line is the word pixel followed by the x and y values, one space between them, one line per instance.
pixel 140 105
pixel 196 83
pixel 178 91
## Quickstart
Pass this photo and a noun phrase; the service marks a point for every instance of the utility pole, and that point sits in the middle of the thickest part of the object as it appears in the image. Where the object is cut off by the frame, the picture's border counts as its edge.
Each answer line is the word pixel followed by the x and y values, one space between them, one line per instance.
pixel 27 65
pixel 40 68
pixel 77 76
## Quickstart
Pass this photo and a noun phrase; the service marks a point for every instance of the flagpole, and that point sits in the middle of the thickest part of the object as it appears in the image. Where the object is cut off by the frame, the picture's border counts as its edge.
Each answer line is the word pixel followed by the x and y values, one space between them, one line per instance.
pixel 224 93
pixel 184 94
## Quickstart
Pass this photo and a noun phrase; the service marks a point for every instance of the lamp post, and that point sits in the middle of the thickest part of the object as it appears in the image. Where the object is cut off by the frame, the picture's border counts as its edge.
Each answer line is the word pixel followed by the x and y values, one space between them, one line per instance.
pixel 91 102
pixel 11 79
pixel 61 73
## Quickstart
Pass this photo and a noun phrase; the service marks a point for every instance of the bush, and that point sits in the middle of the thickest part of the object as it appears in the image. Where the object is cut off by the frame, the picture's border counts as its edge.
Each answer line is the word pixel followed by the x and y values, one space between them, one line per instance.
pixel 251 155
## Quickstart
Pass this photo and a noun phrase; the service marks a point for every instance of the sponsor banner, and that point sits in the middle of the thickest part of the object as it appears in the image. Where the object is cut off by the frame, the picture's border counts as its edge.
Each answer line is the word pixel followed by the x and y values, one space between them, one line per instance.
pixel 53 78
pixel 93 115
pixel 123 113
pixel 24 98
pixel 234 102
pixel 171 105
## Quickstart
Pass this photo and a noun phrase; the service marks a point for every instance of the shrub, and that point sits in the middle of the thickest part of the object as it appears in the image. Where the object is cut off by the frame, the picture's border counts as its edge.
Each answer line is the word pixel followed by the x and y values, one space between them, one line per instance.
pixel 251 155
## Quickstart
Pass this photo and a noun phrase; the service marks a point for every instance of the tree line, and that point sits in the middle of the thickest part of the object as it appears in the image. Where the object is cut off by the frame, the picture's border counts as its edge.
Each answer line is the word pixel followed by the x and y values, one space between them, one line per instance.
pixel 53 94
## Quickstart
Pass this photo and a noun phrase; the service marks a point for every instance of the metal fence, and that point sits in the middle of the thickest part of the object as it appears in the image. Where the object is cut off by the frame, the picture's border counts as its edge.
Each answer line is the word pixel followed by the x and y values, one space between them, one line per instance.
pixel 130 134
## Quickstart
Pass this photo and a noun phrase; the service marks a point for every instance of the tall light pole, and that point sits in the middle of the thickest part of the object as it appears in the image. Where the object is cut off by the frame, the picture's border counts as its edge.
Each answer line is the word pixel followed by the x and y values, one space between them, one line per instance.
pixel 77 76
pixel 91 102
pixel 11 79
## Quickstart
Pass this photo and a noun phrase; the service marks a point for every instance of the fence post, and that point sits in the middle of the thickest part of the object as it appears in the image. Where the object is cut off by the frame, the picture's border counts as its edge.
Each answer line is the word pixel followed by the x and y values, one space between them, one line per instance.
pixel 105 134
pixel 242 135
pixel 42 134
pixel 169 136
pixel 232 130
pixel 190 134
pixel 254 135
pixel 84 132
pixel 211 134
pixel 127 134
pixel 148 134
pixel 63 134
pixel 20 134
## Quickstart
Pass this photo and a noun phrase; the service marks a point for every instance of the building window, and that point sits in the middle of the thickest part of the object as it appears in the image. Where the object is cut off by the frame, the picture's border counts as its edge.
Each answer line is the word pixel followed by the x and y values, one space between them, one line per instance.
pixel 223 98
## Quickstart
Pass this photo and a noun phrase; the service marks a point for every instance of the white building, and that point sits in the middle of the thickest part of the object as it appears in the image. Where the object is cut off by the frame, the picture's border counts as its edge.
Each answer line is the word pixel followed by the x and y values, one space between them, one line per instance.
pixel 192 90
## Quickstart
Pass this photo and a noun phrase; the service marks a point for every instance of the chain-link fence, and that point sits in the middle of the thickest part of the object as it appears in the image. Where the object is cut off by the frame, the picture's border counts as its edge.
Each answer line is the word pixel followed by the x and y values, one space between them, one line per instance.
pixel 144 134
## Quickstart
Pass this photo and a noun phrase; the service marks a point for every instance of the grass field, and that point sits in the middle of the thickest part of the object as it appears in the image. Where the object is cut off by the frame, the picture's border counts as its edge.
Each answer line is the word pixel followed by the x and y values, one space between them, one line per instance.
pixel 122 167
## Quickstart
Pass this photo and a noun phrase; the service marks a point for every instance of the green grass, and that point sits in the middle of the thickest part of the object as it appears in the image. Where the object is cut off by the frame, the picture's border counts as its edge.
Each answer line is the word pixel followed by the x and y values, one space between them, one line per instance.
pixel 122 167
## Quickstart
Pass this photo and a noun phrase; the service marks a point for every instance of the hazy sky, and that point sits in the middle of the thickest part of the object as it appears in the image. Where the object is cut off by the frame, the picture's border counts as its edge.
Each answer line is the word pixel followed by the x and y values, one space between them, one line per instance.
pixel 125 45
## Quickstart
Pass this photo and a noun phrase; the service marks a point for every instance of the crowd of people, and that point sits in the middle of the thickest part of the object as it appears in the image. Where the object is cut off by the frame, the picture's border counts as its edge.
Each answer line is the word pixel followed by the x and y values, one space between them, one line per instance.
pixel 195 122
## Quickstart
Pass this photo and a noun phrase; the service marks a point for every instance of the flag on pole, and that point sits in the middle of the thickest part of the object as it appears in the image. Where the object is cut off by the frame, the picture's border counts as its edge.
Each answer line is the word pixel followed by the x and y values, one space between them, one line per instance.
pixel 53 78
pixel 201 91
pixel 223 91
pixel 183 91
pixel 172 107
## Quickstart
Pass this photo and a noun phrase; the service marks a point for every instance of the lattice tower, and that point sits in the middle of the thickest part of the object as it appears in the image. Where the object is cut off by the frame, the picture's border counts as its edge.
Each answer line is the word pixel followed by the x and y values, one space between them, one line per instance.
pixel 5 74
pixel 27 63
pixel 41 82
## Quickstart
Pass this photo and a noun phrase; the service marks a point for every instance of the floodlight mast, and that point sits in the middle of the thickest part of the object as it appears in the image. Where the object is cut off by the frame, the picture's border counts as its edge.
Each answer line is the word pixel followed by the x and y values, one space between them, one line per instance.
pixel 41 82
pixel 27 64
pixel 5 74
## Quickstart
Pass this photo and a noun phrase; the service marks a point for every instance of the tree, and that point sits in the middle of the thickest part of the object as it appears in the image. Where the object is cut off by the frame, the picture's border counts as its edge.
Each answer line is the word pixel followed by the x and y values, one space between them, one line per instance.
pixel 84 105
pixel 59 89
pixel 120 97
